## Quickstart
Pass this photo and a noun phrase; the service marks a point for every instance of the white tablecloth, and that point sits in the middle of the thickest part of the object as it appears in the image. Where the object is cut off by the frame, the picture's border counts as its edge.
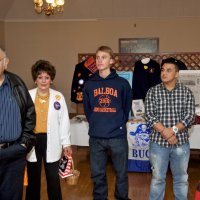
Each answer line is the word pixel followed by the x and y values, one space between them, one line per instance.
pixel 80 137
pixel 79 133
pixel 194 137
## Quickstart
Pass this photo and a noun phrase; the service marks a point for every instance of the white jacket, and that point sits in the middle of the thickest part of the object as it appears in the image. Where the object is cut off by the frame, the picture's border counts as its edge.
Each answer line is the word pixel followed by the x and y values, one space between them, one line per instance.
pixel 58 126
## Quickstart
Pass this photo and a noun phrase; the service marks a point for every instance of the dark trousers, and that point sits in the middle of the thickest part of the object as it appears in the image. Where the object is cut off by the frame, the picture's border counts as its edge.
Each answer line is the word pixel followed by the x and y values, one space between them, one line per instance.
pixel 12 165
pixel 34 173
pixel 98 160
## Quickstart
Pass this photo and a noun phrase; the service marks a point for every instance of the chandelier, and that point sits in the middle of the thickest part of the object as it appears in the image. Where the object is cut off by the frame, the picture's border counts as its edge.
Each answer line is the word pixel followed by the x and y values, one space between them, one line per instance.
pixel 49 7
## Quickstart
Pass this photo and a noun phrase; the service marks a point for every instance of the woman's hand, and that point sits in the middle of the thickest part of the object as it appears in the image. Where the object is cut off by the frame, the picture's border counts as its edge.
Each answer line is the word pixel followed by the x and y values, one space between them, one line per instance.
pixel 67 151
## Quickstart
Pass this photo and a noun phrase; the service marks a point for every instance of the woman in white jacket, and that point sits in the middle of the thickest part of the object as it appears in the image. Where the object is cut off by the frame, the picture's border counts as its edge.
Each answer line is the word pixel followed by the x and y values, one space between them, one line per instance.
pixel 52 133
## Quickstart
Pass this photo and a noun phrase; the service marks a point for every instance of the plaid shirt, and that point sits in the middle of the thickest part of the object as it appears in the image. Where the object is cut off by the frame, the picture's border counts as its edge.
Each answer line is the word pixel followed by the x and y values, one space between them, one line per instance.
pixel 169 108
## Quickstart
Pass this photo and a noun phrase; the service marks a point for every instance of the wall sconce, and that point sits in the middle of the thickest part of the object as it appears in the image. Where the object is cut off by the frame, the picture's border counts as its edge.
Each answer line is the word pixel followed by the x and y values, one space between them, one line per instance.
pixel 49 7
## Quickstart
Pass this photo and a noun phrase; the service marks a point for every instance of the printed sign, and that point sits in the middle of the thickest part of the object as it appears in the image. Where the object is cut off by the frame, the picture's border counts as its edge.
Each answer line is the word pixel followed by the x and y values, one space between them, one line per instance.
pixel 138 141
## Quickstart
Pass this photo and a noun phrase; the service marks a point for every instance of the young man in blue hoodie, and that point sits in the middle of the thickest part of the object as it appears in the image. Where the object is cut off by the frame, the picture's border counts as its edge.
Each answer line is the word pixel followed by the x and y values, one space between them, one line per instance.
pixel 107 102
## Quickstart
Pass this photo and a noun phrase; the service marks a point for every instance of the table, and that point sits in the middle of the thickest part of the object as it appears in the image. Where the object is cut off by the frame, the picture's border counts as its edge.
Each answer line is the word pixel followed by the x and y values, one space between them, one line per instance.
pixel 194 138
pixel 80 137
pixel 79 132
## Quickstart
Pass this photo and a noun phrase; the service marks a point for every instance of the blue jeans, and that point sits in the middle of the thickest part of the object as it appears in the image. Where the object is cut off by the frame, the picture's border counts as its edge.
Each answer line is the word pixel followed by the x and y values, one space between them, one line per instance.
pixel 12 165
pixel 160 158
pixel 99 149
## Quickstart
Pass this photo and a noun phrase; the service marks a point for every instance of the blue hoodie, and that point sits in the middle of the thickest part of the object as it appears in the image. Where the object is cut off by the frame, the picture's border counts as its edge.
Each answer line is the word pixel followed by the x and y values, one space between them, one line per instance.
pixel 107 103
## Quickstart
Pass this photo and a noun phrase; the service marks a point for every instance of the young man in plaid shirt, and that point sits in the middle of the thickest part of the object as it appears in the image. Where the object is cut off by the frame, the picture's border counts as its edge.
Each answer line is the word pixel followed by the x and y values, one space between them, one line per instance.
pixel 170 110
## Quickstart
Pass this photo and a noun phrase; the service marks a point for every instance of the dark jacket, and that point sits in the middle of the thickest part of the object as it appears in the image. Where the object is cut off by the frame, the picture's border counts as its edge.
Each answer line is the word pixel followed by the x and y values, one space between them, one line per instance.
pixel 107 103
pixel 145 76
pixel 82 73
pixel 27 109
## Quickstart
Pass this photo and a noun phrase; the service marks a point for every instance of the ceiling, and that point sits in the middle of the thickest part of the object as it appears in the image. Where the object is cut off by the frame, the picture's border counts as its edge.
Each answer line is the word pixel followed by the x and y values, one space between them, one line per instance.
pixel 22 10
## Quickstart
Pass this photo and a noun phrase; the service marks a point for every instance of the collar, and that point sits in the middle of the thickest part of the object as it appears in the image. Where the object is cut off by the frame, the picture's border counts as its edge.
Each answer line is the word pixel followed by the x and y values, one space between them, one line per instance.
pixel 5 82
pixel 175 87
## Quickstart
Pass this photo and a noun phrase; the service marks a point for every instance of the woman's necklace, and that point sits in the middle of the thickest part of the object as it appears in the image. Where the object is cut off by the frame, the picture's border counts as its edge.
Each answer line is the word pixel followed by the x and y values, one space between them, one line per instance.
pixel 43 99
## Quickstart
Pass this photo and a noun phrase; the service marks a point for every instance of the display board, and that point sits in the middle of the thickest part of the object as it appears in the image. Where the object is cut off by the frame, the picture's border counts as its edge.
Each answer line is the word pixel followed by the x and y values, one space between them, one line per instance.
pixel 126 62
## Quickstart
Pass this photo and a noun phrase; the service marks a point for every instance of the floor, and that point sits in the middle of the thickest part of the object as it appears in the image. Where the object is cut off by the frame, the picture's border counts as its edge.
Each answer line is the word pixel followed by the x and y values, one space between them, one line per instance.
pixel 138 182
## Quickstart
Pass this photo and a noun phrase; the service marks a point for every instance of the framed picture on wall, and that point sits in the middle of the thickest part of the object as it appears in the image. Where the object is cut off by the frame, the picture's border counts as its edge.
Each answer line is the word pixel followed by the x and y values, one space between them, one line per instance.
pixel 138 45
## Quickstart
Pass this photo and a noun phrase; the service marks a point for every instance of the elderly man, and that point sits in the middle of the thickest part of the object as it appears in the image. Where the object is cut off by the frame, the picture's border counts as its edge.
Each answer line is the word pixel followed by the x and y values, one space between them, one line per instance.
pixel 17 121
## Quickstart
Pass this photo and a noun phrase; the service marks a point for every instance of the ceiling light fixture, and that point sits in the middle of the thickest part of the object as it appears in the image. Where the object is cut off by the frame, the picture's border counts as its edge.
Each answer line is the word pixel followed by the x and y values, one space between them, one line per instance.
pixel 49 7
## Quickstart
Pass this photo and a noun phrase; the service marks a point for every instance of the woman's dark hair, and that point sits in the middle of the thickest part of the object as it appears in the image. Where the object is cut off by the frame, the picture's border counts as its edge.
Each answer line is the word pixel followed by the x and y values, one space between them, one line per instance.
pixel 43 66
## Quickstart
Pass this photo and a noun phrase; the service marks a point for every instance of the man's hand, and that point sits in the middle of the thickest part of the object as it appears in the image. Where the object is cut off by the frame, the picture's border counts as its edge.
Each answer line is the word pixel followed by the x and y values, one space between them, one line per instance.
pixel 168 134
pixel 173 139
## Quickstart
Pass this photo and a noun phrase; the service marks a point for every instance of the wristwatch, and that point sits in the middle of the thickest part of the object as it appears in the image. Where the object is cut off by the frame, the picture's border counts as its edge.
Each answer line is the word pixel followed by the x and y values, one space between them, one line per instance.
pixel 175 129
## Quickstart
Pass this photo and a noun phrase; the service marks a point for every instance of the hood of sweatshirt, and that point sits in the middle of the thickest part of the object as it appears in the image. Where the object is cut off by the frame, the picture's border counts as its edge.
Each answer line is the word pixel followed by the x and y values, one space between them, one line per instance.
pixel 96 77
